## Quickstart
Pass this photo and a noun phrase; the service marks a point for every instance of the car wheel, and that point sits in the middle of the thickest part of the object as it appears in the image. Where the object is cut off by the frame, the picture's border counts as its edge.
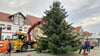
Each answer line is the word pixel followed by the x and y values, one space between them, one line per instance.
pixel 24 48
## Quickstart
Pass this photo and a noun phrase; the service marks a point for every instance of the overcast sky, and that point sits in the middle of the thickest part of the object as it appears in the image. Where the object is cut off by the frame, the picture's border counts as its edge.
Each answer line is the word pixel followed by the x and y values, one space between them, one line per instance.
pixel 85 13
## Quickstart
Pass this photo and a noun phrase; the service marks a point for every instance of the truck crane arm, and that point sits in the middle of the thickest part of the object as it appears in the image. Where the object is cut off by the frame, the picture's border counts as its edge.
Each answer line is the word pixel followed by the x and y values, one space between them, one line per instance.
pixel 32 27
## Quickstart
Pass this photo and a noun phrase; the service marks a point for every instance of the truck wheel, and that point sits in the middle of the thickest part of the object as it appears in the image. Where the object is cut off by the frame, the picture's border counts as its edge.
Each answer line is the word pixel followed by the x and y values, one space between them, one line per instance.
pixel 24 48
pixel 17 50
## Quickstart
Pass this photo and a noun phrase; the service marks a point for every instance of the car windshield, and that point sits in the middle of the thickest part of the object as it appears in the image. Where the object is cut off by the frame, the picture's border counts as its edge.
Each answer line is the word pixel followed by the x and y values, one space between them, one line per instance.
pixel 15 36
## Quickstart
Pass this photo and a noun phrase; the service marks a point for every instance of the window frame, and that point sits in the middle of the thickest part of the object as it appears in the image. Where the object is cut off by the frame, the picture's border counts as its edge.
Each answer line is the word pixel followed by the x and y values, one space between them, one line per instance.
pixel 9 27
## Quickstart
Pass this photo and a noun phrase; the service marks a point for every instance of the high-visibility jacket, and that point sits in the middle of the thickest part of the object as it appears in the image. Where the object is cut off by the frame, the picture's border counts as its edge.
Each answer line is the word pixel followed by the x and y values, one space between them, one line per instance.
pixel 3 46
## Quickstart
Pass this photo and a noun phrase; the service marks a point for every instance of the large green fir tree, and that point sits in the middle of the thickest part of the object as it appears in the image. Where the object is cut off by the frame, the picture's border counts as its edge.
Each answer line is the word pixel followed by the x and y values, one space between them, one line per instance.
pixel 60 38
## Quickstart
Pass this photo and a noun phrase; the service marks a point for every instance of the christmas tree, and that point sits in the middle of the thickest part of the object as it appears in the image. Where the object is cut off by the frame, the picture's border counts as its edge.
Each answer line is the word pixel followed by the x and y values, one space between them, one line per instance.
pixel 60 38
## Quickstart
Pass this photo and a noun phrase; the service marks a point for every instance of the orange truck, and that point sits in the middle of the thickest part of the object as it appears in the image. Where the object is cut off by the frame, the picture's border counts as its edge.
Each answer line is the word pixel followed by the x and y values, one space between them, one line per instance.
pixel 3 47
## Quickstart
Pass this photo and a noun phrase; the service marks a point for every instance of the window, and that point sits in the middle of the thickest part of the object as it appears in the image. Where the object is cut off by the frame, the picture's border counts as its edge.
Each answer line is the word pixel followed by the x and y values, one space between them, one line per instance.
pixel 21 20
pixel 20 27
pixel 25 29
pixel 2 26
pixel 8 37
pixel 15 19
pixel 15 36
pixel 8 27
pixel 18 19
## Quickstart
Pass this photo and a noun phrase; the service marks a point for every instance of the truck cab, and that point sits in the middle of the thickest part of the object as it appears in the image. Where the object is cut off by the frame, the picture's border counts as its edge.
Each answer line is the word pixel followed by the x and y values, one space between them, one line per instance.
pixel 19 42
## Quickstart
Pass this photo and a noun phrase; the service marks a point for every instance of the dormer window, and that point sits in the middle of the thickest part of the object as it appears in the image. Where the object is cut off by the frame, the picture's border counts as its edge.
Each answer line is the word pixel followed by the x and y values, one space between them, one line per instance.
pixel 17 19
pixel 21 20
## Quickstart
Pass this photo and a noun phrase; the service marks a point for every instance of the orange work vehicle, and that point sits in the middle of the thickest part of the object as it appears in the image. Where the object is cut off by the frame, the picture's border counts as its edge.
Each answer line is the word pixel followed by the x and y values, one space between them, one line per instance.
pixel 3 47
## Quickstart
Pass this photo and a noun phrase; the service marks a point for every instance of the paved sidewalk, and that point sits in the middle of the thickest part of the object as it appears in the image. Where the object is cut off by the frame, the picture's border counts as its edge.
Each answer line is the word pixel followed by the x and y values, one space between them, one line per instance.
pixel 95 52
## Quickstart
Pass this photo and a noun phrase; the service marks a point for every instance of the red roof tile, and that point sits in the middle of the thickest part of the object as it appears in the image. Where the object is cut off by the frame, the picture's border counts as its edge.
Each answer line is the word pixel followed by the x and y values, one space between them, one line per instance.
pixel 5 17
pixel 87 33
pixel 32 19
pixel 18 13
pixel 77 29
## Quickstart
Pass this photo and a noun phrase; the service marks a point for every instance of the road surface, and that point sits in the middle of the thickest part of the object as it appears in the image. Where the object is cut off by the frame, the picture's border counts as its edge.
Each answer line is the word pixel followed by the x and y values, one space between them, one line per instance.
pixel 30 52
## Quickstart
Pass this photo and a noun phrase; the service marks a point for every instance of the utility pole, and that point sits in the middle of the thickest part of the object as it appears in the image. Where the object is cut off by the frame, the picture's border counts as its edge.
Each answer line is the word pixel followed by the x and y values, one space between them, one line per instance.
pixel 0 32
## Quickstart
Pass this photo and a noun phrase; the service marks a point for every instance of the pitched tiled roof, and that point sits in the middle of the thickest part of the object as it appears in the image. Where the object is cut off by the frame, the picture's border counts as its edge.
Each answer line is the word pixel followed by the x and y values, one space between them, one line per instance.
pixel 77 29
pixel 87 33
pixel 17 13
pixel 31 19
pixel 5 17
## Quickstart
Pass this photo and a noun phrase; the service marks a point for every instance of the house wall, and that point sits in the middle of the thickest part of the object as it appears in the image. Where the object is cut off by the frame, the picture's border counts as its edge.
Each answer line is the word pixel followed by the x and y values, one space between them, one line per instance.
pixel 81 33
pixel 14 28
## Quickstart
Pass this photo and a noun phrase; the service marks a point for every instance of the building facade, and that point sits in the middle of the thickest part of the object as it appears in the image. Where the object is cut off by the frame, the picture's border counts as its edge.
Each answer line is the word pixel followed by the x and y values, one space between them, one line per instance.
pixel 10 24
pixel 78 30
